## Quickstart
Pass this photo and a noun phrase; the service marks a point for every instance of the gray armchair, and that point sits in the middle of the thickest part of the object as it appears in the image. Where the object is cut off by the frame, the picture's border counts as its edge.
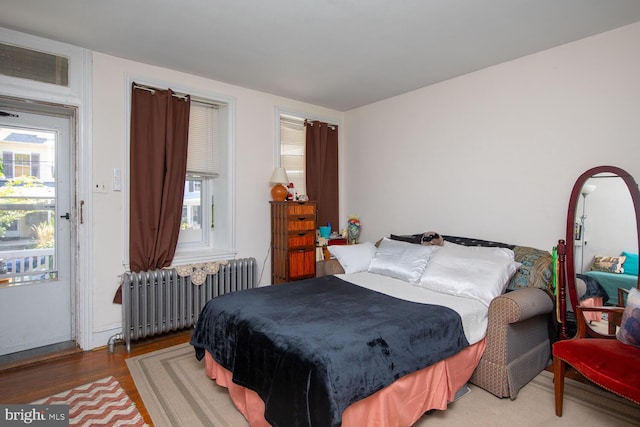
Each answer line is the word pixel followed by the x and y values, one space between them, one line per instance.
pixel 518 346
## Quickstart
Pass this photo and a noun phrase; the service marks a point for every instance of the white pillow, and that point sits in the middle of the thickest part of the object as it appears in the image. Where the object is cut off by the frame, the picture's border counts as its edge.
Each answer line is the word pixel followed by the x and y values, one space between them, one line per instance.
pixel 474 273
pixel 402 260
pixel 353 258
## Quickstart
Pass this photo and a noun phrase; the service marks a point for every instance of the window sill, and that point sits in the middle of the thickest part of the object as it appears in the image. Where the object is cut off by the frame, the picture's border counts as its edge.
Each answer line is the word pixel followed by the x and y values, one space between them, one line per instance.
pixel 196 256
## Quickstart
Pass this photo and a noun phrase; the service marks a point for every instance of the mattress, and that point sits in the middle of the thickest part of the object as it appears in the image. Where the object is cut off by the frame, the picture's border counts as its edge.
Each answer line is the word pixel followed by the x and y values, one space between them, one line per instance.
pixel 473 313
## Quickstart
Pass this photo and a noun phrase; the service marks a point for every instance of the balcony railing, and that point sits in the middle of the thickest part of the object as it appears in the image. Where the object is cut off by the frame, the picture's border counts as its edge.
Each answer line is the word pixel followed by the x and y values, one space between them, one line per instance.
pixel 25 266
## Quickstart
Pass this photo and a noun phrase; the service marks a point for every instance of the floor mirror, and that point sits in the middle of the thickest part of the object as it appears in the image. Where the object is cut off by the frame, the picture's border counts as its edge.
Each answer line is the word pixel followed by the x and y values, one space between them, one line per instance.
pixel 599 253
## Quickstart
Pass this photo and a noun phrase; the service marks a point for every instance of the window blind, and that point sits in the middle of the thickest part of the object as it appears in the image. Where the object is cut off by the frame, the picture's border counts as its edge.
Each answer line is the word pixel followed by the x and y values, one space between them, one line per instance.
pixel 292 151
pixel 202 158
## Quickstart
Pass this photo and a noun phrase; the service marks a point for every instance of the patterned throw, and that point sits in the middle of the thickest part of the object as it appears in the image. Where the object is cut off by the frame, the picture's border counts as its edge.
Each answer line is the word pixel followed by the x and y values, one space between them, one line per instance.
pixel 102 402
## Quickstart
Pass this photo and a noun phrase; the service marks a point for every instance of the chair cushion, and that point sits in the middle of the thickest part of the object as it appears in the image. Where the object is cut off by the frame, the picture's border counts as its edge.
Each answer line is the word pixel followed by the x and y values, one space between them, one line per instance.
pixel 607 362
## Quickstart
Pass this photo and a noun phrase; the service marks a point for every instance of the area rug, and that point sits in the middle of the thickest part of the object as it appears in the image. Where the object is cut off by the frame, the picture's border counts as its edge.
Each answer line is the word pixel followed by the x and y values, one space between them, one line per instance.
pixel 100 403
pixel 176 392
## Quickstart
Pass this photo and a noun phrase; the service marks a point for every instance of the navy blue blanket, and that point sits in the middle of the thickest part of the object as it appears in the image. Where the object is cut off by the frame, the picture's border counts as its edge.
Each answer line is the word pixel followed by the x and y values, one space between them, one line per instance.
pixel 594 288
pixel 311 348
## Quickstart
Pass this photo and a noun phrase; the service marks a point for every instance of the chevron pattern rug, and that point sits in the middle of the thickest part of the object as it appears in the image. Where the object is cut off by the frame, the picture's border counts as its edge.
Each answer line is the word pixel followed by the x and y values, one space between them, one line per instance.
pixel 101 402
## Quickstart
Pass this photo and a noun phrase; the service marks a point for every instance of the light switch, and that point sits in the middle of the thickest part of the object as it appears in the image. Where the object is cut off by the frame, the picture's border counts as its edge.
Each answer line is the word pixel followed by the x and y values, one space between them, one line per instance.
pixel 117 181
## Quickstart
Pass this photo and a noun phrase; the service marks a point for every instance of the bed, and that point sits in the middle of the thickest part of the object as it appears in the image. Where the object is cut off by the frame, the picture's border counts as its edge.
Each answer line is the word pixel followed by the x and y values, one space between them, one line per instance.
pixel 615 272
pixel 610 282
pixel 405 346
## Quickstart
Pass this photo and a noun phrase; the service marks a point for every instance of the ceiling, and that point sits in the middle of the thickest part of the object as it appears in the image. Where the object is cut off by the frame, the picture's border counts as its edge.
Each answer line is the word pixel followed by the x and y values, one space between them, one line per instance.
pixel 339 54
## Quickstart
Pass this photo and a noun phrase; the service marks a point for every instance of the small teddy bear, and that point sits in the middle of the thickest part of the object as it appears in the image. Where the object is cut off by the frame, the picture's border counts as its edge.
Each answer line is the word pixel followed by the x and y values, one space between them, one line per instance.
pixel 431 238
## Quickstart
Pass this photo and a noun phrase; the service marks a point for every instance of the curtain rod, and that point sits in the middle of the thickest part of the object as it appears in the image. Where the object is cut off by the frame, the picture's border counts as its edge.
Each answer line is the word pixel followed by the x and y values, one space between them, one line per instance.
pixel 329 125
pixel 153 91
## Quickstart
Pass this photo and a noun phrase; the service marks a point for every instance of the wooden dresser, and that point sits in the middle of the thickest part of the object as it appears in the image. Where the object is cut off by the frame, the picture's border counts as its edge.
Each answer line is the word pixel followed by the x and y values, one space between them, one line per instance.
pixel 293 241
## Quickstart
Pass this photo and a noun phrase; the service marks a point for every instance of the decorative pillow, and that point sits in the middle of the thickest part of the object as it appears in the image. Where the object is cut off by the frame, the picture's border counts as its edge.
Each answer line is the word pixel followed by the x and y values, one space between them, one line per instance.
pixel 402 260
pixel 629 331
pixel 610 264
pixel 427 238
pixel 469 241
pixel 536 270
pixel 630 263
pixel 353 258
pixel 472 272
pixel 409 238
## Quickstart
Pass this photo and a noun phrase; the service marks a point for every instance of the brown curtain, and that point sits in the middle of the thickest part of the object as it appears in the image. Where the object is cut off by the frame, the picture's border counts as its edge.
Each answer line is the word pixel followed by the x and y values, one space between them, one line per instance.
pixel 322 171
pixel 159 131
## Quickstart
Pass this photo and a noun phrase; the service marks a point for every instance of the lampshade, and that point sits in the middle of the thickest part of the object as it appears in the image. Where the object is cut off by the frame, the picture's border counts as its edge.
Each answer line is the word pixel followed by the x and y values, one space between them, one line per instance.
pixel 587 189
pixel 279 176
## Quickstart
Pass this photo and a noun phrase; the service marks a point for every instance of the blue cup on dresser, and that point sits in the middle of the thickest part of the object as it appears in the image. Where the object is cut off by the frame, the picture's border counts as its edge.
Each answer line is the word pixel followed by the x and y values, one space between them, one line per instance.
pixel 325 231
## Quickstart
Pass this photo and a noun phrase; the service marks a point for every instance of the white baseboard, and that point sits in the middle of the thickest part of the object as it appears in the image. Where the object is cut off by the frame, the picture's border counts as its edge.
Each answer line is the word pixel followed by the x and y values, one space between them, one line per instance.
pixel 100 338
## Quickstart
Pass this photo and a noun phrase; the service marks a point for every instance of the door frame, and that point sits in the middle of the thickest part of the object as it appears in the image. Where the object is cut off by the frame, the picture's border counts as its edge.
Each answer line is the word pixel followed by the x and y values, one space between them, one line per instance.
pixel 77 96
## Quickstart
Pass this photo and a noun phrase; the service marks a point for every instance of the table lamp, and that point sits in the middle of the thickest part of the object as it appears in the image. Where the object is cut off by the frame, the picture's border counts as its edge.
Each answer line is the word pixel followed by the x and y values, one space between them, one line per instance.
pixel 279 177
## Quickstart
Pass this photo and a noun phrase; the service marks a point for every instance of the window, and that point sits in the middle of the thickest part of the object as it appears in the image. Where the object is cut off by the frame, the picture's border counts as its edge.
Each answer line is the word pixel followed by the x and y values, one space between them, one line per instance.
pixel 202 170
pixel 292 150
pixel 207 222
pixel 206 229
pixel 16 165
pixel 21 165
pixel 319 181
pixel 34 65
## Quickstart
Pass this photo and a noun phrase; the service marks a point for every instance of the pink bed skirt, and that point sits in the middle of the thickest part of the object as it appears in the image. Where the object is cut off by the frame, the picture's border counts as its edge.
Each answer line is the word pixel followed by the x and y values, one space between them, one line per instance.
pixel 397 405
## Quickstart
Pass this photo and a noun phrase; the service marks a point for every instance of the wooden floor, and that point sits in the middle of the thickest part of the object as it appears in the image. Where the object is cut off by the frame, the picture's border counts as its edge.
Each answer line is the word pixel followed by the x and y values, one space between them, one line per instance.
pixel 33 381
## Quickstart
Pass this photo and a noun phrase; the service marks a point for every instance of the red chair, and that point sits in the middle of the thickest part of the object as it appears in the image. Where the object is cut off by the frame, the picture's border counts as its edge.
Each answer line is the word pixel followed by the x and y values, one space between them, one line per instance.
pixel 600 358
pixel 606 362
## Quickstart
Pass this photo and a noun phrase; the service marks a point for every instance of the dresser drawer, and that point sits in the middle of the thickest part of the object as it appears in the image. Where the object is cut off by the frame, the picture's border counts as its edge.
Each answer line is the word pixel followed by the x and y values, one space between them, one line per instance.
pixel 301 224
pixel 307 238
pixel 301 208
pixel 302 264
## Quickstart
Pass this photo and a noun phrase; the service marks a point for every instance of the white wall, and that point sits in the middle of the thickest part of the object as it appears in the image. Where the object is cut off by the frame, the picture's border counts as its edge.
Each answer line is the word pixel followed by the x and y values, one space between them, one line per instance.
pixel 494 154
pixel 255 159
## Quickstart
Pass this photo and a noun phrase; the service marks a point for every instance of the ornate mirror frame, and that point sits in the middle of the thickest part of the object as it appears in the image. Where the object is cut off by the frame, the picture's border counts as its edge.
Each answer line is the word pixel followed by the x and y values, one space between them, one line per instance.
pixel 568 279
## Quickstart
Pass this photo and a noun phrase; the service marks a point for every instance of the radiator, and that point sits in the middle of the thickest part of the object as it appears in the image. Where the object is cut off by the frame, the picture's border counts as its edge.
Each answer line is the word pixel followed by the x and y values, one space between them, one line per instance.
pixel 160 301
